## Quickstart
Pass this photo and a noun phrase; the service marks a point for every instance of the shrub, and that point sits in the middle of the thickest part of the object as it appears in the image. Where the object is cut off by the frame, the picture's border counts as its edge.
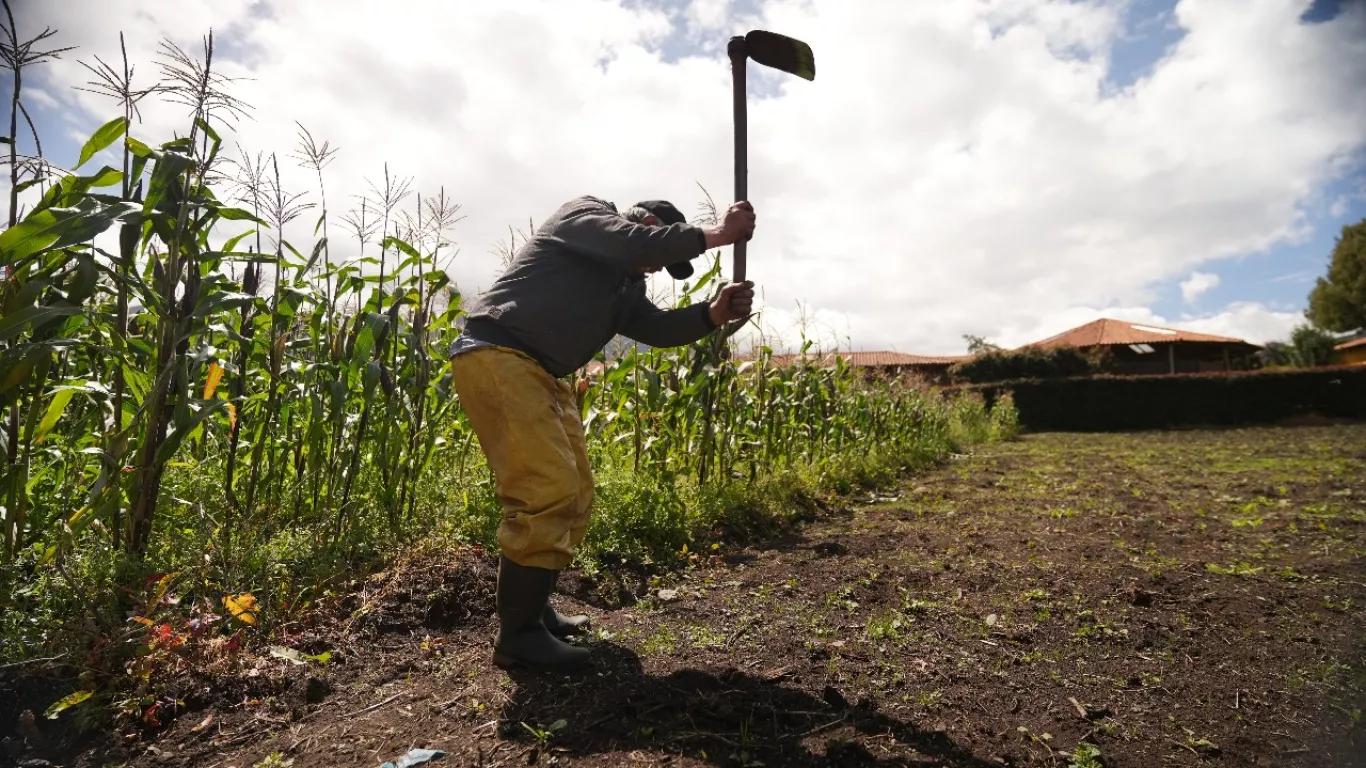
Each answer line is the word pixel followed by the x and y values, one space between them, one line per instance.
pixel 1005 418
pixel 1103 403
pixel 1028 363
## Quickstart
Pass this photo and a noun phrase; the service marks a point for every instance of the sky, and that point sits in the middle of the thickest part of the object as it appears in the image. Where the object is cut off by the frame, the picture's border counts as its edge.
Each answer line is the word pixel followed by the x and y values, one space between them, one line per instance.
pixel 1001 168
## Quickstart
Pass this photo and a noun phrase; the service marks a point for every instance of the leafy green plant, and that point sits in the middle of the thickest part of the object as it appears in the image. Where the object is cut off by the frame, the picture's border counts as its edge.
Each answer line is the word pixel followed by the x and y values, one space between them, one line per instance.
pixel 543 735
pixel 1235 568
pixel 275 760
pixel 888 625
pixel 1085 755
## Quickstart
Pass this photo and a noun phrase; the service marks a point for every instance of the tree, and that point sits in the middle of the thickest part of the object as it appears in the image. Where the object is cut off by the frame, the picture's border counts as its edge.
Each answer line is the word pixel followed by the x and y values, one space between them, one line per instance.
pixel 1309 346
pixel 619 346
pixel 1338 301
pixel 978 344
pixel 1276 354
pixel 1313 346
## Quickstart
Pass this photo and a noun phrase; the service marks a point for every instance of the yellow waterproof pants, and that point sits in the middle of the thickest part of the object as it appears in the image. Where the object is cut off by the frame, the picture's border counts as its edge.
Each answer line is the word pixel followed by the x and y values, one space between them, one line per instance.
pixel 527 423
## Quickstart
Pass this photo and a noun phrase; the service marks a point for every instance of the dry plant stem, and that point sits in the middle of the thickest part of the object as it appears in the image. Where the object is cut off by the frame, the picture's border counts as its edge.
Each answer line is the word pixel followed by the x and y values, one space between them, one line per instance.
pixel 374 707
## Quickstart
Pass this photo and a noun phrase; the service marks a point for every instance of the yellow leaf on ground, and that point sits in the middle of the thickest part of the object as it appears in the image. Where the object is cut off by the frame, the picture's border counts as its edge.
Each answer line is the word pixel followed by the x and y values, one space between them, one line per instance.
pixel 242 607
pixel 66 703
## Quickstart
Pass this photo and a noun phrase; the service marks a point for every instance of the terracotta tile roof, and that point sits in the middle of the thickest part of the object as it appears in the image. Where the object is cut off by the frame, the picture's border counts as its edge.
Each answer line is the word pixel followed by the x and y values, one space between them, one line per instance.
pixel 874 359
pixel 1106 331
pixel 1353 344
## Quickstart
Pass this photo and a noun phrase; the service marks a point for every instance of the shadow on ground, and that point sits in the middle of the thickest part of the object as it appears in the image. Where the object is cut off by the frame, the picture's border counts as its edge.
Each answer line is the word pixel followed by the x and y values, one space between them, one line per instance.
pixel 726 718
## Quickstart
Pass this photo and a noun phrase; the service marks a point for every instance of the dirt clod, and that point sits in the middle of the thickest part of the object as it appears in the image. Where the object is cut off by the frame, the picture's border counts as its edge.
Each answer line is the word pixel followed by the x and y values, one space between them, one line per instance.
pixel 315 690
pixel 834 698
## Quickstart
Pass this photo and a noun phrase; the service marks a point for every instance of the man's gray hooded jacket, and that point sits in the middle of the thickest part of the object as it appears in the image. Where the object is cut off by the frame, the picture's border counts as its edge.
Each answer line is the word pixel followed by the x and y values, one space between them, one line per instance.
pixel 570 289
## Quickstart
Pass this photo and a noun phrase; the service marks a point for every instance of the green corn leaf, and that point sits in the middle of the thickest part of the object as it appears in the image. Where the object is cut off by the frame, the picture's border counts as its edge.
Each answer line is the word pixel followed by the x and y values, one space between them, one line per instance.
pixel 107 177
pixel 25 185
pixel 402 245
pixel 170 166
pixel 291 299
pixel 53 228
pixel 238 214
pixel 27 296
pixel 245 257
pixel 168 448
pixel 138 149
pixel 231 244
pixel 221 300
pixel 106 134
pixel 17 364
pixel 141 153
pixel 208 130
pixel 289 247
pixel 31 317
pixel 370 378
pixel 367 337
pixel 54 413
pixel 704 280
pixel 82 285
pixel 104 177
pixel 313 259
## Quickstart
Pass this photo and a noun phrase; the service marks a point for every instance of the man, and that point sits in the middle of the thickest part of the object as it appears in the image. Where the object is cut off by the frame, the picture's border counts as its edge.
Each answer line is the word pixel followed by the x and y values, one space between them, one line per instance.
pixel 578 282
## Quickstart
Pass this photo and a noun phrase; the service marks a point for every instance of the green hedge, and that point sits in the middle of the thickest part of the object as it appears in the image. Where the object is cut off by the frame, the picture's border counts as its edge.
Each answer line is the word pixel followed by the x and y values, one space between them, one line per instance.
pixel 1029 363
pixel 1102 403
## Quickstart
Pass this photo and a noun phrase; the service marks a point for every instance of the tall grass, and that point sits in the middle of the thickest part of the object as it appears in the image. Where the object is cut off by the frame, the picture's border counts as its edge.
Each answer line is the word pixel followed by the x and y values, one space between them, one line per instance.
pixel 199 403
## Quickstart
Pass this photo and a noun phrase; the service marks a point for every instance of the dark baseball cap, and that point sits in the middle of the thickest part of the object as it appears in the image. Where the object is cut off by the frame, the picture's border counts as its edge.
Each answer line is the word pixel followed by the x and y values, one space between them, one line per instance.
pixel 667 213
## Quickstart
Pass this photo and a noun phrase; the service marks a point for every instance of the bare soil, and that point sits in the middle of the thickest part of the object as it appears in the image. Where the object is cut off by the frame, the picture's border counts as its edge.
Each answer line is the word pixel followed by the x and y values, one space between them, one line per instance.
pixel 1150 599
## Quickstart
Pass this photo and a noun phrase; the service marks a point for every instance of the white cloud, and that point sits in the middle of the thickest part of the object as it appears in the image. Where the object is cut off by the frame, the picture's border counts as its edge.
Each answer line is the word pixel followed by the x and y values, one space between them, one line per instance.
pixel 1197 285
pixel 708 14
pixel 39 97
pixel 1339 207
pixel 1303 276
pixel 955 167
pixel 1247 320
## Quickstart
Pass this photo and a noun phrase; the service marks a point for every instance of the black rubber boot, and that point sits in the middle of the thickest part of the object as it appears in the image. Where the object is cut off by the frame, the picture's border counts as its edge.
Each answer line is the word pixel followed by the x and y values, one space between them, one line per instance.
pixel 559 624
pixel 523 639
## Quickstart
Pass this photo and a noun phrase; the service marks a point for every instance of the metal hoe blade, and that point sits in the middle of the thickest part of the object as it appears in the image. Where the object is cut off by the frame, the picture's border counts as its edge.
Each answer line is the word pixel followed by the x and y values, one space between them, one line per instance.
pixel 782 53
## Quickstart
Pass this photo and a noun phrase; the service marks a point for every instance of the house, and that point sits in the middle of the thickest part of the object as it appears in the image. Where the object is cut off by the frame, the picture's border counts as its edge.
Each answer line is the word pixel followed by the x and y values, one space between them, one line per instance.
pixel 1350 352
pixel 1136 348
pixel 892 364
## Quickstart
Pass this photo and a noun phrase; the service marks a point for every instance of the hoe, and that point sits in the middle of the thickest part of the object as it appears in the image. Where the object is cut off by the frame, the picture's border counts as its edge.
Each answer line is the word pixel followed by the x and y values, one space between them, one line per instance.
pixel 771 50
